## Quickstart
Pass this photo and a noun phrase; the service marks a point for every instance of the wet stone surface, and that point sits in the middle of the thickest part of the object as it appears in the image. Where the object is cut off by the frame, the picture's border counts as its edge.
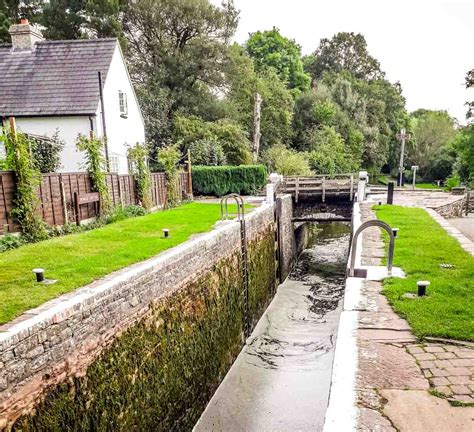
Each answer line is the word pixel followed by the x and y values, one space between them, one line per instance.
pixel 281 379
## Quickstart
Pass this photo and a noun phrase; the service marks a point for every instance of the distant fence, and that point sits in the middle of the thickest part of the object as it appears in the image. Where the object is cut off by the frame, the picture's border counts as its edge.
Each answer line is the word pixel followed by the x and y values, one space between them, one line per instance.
pixel 56 195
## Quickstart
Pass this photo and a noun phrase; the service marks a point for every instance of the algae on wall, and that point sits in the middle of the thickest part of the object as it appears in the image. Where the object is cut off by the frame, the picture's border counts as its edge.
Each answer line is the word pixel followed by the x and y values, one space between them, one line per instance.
pixel 161 372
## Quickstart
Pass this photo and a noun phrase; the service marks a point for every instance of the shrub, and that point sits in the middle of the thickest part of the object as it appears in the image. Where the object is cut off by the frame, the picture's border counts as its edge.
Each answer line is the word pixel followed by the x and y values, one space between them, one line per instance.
pixel 96 167
pixel 243 179
pixel 130 211
pixel 137 155
pixel 47 152
pixel 9 241
pixel 207 152
pixel 286 161
pixel 452 182
pixel 168 159
pixel 28 178
pixel 230 136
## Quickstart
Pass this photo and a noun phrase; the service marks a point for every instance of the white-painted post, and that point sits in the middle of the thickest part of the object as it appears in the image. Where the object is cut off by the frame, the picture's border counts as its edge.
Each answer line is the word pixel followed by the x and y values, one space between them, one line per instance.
pixel 270 193
pixel 362 186
pixel 414 168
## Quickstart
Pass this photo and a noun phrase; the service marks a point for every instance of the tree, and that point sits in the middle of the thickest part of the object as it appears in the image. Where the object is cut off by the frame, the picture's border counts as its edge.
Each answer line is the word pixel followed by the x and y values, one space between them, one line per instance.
pixel 12 10
pixel 432 130
pixel 241 84
pixel 344 52
pixel 470 84
pixel 285 161
pixel 269 49
pixel 176 52
pixel 328 152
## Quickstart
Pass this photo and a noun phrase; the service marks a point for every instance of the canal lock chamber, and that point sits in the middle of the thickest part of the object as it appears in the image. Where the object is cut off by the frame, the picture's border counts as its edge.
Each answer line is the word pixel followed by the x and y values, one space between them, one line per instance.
pixel 281 379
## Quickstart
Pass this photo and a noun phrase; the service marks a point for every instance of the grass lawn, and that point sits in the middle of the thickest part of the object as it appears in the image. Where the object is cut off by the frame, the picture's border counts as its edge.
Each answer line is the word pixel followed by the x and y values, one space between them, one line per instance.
pixel 428 186
pixel 422 245
pixel 78 259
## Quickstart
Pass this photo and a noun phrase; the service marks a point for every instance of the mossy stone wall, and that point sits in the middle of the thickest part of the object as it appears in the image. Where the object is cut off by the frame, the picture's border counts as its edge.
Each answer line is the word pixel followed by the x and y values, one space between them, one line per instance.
pixel 161 372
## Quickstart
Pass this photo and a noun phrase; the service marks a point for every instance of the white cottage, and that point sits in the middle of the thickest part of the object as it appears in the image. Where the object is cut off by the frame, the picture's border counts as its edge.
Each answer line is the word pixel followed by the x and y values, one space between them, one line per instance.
pixel 71 86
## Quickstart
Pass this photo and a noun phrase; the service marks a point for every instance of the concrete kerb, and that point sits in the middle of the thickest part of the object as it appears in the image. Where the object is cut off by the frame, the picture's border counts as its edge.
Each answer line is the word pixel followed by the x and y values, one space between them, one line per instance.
pixel 342 411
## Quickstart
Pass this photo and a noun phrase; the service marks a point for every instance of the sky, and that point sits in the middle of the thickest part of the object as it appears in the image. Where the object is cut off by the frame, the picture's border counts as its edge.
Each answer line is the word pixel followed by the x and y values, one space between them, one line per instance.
pixel 427 45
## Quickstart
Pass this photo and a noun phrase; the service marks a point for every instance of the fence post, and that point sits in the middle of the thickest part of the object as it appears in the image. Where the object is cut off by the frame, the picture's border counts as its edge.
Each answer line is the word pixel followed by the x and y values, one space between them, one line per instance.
pixel 77 209
pixel 190 175
pixel 63 199
pixel 120 190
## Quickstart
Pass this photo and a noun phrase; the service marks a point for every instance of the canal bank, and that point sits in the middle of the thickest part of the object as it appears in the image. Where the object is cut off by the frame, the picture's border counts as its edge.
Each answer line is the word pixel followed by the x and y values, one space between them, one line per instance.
pixel 282 377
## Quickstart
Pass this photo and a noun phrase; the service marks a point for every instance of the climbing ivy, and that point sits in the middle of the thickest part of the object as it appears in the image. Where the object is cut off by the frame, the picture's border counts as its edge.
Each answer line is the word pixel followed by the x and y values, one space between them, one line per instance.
pixel 95 164
pixel 137 155
pixel 168 158
pixel 25 203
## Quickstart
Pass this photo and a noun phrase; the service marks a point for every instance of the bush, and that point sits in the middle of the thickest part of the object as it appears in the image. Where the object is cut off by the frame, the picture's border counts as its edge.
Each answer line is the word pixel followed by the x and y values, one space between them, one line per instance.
pixel 9 241
pixel 243 179
pixel 207 152
pixel 452 182
pixel 285 161
pixel 130 211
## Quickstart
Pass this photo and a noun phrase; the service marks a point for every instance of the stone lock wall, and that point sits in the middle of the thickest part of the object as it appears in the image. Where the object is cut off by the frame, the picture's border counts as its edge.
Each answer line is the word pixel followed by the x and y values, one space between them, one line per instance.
pixel 452 210
pixel 146 347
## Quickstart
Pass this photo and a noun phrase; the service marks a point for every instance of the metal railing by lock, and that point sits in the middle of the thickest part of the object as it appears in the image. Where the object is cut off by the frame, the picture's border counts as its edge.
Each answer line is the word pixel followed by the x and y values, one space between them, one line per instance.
pixel 391 246
pixel 243 247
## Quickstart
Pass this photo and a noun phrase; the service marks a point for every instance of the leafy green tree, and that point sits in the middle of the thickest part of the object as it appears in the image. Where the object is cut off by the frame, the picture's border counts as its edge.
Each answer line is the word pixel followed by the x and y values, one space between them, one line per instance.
pixel 207 152
pixel 470 84
pixel 12 10
pixel 344 52
pixel 269 49
pixel 224 133
pixel 464 145
pixel 432 130
pixel 286 161
pixel 176 52
pixel 328 152
pixel 242 82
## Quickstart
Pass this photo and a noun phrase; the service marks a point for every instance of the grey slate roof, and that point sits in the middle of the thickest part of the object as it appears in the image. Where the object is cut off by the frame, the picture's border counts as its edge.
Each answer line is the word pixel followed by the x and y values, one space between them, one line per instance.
pixel 57 78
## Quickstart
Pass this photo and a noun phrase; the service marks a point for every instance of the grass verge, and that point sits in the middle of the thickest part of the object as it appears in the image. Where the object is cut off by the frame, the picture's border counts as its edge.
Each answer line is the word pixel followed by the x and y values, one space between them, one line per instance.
pixel 78 259
pixel 428 186
pixel 422 245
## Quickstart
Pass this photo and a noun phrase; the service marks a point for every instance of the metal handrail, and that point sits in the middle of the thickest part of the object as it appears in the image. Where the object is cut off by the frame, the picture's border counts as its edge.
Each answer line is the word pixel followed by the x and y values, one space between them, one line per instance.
pixel 391 246
pixel 240 206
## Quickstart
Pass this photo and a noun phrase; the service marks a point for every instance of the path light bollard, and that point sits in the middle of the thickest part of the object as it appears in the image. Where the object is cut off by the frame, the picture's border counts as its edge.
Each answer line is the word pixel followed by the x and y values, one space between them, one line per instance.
pixel 39 272
pixel 395 232
pixel 166 232
pixel 422 287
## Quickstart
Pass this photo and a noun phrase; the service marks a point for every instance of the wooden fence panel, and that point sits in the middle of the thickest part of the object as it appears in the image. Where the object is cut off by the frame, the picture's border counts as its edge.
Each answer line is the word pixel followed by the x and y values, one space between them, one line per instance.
pixel 7 188
pixel 56 195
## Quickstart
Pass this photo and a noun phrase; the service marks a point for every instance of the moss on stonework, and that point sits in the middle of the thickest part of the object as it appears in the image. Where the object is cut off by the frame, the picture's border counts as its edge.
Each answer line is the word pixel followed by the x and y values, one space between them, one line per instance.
pixel 160 373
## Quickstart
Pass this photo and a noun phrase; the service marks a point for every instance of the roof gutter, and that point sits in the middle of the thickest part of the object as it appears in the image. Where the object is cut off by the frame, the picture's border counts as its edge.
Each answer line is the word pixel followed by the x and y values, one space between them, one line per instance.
pixel 104 128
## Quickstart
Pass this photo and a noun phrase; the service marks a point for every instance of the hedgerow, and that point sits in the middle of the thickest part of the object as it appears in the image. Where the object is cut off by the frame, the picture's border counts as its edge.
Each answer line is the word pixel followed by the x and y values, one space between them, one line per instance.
pixel 221 180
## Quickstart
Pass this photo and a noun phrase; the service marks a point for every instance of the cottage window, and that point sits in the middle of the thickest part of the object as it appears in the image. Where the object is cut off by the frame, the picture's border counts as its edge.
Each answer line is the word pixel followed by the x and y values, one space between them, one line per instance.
pixel 114 163
pixel 123 104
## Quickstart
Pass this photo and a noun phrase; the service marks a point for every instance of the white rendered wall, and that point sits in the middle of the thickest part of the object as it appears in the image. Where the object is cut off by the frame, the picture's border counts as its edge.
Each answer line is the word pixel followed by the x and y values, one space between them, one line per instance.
pixel 69 128
pixel 121 132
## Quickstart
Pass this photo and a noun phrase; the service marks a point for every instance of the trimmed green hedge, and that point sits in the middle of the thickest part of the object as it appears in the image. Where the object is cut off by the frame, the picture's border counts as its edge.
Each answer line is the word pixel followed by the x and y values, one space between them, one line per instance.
pixel 221 180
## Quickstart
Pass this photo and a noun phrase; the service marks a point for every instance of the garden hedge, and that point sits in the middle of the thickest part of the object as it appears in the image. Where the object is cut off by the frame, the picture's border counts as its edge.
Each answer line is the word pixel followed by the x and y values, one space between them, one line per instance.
pixel 221 180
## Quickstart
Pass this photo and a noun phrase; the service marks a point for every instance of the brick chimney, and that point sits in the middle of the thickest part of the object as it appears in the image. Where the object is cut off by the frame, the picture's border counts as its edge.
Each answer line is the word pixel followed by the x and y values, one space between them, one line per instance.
pixel 24 36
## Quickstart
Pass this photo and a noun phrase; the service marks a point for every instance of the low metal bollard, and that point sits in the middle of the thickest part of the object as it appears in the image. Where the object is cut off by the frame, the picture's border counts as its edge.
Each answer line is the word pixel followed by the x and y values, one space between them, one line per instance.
pixel 39 272
pixel 422 287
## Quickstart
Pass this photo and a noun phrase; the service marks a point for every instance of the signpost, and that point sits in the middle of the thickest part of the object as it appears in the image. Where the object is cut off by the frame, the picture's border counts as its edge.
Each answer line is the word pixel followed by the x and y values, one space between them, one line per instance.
pixel 402 136
pixel 414 168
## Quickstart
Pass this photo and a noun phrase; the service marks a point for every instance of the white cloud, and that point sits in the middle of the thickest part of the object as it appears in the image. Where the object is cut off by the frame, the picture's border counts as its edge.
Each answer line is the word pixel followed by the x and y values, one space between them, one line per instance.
pixel 427 45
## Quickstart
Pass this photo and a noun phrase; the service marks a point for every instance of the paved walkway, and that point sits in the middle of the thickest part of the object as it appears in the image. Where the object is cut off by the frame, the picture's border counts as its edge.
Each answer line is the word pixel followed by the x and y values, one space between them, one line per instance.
pixel 396 390
pixel 465 225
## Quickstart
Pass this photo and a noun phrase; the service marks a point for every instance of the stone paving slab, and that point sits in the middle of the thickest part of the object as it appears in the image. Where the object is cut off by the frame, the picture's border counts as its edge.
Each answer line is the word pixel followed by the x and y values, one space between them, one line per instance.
pixel 404 385
pixel 448 368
